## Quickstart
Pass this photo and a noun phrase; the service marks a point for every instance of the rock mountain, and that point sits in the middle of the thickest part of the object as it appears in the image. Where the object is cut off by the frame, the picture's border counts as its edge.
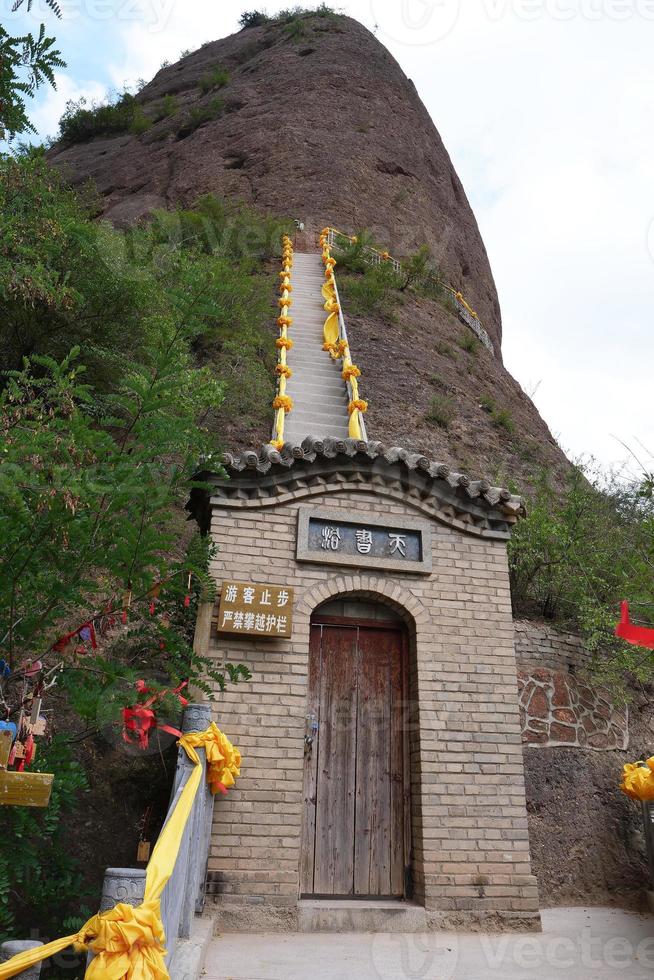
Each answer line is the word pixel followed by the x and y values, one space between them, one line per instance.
pixel 319 122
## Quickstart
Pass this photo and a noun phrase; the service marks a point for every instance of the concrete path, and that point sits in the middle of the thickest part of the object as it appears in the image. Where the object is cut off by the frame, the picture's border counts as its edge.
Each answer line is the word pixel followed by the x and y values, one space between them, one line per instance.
pixel 576 944
pixel 316 387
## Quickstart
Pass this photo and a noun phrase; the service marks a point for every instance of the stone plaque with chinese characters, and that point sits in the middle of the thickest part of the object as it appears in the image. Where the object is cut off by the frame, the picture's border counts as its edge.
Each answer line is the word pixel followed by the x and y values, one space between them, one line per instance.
pixel 331 536
pixel 255 610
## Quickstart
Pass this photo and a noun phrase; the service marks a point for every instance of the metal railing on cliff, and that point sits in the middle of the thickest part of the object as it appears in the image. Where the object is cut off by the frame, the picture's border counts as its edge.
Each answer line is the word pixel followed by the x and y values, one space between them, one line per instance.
pixel 338 239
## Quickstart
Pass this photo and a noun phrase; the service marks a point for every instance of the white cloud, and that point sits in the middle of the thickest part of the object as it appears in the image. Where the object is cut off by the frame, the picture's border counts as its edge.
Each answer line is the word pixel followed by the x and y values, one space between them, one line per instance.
pixel 51 106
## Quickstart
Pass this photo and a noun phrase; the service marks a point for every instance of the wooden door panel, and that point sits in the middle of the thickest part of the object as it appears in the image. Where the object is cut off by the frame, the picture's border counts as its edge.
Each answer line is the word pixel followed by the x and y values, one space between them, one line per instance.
pixel 354 820
pixel 399 767
pixel 336 767
pixel 372 818
pixel 310 767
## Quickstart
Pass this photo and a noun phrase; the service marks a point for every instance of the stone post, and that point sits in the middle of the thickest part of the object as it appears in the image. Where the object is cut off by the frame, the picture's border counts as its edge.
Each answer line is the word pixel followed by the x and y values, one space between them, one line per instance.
pixel 197 718
pixel 125 885
pixel 14 946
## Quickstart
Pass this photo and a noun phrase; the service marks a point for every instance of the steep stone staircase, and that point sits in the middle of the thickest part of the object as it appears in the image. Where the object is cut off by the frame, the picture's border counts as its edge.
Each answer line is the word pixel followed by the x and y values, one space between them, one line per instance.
pixel 319 393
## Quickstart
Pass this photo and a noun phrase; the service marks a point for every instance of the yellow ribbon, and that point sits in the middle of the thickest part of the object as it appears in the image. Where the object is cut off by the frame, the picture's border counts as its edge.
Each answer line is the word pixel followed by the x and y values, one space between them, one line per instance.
pixel 638 780
pixel 129 943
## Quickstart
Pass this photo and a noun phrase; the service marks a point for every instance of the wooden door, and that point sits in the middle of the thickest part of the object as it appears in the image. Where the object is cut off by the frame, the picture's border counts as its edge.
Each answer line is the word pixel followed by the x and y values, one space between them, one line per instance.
pixel 355 779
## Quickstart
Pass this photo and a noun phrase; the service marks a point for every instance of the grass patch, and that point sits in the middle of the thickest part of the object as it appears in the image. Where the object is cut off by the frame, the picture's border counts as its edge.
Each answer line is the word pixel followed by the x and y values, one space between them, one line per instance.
pixel 166 108
pixel 441 411
pixel 82 121
pixel 445 350
pixel 372 292
pixel 468 343
pixel 290 15
pixel 217 78
pixel 198 116
pixel 501 417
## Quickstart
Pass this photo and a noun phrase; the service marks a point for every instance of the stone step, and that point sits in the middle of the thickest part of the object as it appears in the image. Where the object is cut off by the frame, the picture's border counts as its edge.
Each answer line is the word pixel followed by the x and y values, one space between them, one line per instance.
pixel 310 421
pixel 364 916
pixel 316 402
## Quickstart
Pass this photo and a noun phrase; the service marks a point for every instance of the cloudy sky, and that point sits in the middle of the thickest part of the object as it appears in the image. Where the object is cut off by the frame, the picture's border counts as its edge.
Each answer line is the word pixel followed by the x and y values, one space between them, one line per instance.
pixel 546 107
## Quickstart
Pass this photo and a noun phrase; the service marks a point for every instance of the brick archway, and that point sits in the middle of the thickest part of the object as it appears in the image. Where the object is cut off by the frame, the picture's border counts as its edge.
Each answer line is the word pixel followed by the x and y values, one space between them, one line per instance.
pixel 417 622
pixel 369 587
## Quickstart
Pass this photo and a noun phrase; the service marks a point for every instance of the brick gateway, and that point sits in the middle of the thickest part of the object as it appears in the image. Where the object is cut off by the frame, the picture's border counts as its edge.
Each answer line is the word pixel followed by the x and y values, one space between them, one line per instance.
pixel 423 802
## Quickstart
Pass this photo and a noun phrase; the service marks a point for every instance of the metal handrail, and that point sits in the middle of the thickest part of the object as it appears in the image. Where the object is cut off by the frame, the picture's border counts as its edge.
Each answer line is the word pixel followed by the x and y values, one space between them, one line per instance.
pixel 465 313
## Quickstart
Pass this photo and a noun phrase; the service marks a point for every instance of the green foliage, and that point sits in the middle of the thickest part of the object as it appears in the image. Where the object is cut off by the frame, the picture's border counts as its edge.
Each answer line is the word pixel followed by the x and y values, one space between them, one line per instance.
pixel 441 411
pixel 51 4
pixel 39 875
pixel 291 14
pixel 253 18
pixel 352 251
pixel 373 292
pixel 416 268
pixel 96 464
pixel 468 343
pixel 501 417
pixel 64 280
pixel 199 115
pixel 577 554
pixel 167 108
pixel 89 492
pixel 296 28
pixel 26 63
pixel 81 121
pixel 218 77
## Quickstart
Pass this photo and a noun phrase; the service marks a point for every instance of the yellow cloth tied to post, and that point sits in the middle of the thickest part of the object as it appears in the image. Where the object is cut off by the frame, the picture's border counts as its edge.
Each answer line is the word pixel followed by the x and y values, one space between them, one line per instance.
pixel 128 942
pixel 223 760
pixel 638 780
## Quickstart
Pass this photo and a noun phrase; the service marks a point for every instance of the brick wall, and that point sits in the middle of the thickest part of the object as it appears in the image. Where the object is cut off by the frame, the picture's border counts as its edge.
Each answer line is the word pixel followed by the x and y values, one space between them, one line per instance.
pixel 470 839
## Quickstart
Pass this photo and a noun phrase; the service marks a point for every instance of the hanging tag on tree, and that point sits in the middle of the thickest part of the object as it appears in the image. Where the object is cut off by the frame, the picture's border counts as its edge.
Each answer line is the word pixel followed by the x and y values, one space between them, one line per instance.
pixel 143 851
pixel 36 711
pixel 187 597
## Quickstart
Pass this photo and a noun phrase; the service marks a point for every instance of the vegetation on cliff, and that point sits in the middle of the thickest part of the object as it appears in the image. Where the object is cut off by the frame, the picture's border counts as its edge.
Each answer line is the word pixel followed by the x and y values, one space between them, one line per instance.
pixel 126 355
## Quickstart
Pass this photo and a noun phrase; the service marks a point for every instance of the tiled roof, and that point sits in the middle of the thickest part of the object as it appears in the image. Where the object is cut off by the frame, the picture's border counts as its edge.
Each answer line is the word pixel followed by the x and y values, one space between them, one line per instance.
pixel 268 476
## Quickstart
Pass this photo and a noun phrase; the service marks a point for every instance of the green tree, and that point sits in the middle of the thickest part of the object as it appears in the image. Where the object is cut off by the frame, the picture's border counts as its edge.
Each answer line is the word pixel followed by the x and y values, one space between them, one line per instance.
pixel 26 63
pixel 579 552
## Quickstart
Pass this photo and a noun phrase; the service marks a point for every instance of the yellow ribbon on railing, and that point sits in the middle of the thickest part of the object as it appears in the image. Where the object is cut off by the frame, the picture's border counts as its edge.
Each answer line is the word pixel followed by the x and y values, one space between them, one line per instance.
pixel 282 402
pixel 128 942
pixel 337 346
pixel 386 256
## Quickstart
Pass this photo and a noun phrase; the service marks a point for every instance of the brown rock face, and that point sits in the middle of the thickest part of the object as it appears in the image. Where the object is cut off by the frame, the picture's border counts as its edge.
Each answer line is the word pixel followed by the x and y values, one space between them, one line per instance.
pixel 327 128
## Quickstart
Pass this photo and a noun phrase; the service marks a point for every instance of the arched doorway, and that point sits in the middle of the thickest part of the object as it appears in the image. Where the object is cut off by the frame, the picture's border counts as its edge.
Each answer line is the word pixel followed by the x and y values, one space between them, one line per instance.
pixel 356 830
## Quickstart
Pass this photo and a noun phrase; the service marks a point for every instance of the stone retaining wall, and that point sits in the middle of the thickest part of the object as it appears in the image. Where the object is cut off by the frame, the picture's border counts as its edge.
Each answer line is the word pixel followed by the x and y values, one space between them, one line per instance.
pixel 559 706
